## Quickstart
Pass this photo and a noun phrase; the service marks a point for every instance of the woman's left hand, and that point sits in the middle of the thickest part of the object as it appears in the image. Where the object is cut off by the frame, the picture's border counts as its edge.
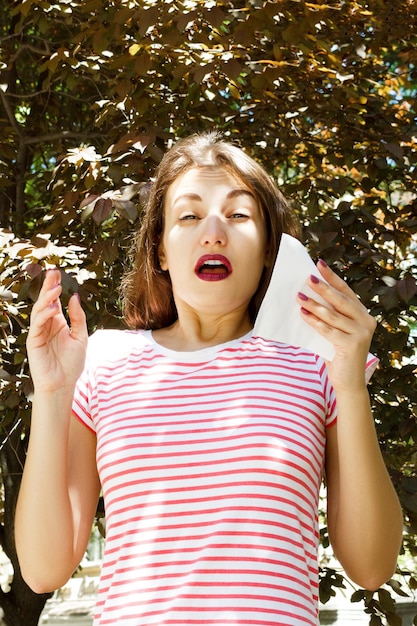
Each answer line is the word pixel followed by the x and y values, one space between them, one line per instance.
pixel 347 325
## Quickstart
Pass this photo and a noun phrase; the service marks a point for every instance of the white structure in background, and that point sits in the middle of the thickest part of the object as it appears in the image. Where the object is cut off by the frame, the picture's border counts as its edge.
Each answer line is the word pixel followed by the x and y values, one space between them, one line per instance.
pixel 6 577
pixel 73 604
pixel 6 572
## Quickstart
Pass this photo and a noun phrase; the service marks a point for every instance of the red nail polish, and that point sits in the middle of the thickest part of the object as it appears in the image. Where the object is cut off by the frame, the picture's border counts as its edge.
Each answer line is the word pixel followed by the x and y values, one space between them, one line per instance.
pixel 302 296
pixel 305 311
pixel 314 279
pixel 322 263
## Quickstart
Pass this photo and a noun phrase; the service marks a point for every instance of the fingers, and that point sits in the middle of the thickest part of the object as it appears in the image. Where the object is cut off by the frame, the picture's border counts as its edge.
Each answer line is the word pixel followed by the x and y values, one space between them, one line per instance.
pixel 77 318
pixel 334 280
pixel 346 314
pixel 336 292
pixel 48 304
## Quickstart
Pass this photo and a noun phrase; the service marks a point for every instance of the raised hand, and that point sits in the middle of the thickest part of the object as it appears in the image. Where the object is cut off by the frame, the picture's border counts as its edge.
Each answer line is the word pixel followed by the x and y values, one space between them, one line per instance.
pixel 56 350
pixel 347 325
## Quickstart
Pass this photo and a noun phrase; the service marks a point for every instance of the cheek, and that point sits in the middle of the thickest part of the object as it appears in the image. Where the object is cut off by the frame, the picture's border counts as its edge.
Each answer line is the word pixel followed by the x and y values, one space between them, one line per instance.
pixel 262 246
pixel 171 250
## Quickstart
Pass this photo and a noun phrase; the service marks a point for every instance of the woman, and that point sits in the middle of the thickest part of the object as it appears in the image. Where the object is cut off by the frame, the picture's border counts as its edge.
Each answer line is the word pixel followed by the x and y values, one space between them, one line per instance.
pixel 209 443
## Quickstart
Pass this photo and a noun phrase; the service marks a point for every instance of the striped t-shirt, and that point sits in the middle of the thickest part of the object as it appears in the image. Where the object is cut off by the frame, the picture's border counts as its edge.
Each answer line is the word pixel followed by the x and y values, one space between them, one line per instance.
pixel 210 463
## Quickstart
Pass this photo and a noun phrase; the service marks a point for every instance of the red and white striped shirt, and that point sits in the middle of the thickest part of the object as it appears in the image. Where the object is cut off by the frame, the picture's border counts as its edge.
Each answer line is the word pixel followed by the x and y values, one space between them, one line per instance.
pixel 210 463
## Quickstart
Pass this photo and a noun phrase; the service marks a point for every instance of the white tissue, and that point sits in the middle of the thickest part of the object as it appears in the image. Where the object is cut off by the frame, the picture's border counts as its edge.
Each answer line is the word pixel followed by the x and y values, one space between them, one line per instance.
pixel 279 316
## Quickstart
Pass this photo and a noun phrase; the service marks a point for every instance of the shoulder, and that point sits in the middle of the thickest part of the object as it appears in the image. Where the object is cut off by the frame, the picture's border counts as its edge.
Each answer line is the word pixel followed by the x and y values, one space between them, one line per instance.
pixel 292 360
pixel 106 345
pixel 285 351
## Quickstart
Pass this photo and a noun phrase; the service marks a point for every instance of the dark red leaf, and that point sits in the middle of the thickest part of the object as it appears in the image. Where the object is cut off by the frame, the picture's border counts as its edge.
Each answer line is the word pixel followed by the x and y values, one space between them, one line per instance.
pixel 407 288
pixel 102 210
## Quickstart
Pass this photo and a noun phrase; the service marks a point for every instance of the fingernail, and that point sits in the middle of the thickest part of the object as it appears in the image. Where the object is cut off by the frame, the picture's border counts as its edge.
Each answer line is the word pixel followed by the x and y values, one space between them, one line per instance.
pixel 77 295
pixel 314 279
pixel 305 311
pixel 302 296
pixel 322 263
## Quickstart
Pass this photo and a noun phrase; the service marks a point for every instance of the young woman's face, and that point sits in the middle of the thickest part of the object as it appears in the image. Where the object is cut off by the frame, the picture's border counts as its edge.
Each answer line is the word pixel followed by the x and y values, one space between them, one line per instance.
pixel 214 243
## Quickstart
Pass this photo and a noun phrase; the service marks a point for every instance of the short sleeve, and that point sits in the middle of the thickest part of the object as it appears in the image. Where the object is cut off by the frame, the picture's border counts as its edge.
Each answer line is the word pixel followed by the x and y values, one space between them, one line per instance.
pixel 81 405
pixel 328 392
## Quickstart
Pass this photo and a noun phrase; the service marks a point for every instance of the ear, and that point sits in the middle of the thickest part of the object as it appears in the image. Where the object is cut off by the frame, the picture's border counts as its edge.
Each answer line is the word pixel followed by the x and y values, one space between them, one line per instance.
pixel 162 258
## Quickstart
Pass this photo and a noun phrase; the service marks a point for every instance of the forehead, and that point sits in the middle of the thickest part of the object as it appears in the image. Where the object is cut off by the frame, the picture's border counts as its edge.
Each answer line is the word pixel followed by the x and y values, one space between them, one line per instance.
pixel 205 179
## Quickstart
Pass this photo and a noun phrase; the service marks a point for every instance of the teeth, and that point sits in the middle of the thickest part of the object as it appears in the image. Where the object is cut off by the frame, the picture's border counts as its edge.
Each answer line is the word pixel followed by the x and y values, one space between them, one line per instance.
pixel 213 262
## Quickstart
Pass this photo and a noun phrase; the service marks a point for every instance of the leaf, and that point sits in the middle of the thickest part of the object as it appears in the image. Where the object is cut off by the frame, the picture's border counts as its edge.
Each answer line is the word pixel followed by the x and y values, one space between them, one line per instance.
pixel 102 210
pixel 397 587
pixel 386 601
pixel 412 583
pixel 232 68
pixel 143 64
pixel 30 289
pixel 126 209
pixel 4 375
pixel 389 297
pixel 33 269
pixel 215 16
pixel 407 288
pixel 396 150
pixel 294 31
pixel 137 141
pixel 147 17
pixel 234 91
pixel 110 251
pixel 89 199
pixel 357 596
pixel 394 620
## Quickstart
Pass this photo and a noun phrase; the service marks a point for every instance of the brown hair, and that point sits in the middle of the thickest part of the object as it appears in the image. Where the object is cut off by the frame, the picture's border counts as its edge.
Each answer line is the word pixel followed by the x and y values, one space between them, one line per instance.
pixel 146 289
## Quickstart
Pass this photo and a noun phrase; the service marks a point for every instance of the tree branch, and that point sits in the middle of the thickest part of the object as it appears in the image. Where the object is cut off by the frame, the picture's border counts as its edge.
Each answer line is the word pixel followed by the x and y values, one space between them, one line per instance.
pixel 62 135
pixel 28 46
pixel 10 115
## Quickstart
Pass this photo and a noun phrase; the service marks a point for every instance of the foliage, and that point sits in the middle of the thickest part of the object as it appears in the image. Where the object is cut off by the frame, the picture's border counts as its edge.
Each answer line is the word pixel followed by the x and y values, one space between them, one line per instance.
pixel 93 91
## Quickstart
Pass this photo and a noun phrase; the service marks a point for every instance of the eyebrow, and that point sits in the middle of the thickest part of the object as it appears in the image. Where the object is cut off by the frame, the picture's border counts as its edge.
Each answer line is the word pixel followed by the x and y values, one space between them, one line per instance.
pixel 233 193
pixel 240 192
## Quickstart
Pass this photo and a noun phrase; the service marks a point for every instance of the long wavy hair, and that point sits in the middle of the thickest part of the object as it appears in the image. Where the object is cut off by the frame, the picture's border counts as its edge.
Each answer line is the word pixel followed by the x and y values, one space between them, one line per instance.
pixel 146 289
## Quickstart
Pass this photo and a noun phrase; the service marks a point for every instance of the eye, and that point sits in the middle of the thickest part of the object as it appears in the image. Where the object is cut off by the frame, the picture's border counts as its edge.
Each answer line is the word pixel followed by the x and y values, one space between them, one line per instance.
pixel 237 215
pixel 187 217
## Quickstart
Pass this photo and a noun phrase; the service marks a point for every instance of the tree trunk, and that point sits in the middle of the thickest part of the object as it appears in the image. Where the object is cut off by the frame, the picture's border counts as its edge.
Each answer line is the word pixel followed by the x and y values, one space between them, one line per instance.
pixel 21 606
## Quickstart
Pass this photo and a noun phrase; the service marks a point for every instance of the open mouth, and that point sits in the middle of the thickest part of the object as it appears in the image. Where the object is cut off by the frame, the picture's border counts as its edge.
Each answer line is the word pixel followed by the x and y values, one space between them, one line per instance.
pixel 213 267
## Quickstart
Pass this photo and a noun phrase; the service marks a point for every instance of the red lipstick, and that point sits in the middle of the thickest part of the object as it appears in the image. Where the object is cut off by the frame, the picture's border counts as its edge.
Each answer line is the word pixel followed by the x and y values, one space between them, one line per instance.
pixel 213 267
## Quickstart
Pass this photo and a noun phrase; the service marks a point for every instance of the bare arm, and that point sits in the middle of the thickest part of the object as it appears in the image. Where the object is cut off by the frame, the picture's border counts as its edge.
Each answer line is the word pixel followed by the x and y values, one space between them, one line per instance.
pixel 60 486
pixel 364 515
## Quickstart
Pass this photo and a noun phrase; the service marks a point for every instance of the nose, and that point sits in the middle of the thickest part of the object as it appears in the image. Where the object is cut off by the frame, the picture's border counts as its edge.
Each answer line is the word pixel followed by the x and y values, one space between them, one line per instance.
pixel 213 231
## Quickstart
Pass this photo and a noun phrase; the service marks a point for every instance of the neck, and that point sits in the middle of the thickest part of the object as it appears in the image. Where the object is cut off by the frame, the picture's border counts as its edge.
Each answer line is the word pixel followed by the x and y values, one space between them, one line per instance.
pixel 195 334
